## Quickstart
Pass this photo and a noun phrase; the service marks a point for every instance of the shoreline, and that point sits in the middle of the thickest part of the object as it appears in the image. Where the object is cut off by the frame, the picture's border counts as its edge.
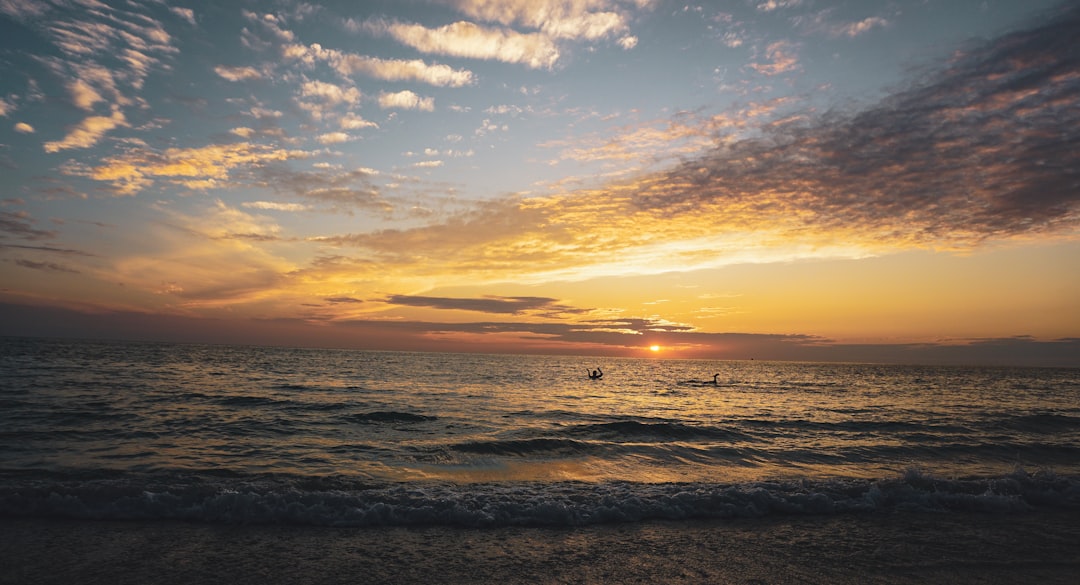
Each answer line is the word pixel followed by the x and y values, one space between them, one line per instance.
pixel 1041 546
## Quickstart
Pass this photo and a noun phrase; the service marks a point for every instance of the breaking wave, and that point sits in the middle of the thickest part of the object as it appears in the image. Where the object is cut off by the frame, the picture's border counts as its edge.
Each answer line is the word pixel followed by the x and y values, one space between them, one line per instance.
pixel 348 502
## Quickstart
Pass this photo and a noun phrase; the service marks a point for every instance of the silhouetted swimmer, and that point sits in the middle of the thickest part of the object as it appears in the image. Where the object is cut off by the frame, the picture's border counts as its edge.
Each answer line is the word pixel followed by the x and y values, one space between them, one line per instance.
pixel 595 374
pixel 696 382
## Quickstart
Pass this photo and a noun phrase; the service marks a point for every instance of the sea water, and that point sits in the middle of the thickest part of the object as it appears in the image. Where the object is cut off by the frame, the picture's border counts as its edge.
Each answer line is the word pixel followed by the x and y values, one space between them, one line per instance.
pixel 127 430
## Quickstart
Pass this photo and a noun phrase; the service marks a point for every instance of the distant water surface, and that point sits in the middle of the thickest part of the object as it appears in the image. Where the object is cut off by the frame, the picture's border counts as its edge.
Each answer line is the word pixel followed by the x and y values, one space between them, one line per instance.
pixel 251 434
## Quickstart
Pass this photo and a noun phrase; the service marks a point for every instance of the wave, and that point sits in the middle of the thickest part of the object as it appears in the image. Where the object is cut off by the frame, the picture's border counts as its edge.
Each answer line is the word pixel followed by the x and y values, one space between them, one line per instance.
pixel 664 430
pixel 390 416
pixel 523 446
pixel 347 502
pixel 1044 423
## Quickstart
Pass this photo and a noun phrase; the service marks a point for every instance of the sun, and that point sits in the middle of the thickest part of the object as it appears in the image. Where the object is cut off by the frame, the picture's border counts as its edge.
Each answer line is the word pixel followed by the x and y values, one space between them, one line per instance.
pixel 654 348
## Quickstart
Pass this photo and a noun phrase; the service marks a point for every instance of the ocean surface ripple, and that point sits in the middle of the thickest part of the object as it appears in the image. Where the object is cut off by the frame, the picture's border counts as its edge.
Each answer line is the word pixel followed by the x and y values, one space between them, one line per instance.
pixel 360 438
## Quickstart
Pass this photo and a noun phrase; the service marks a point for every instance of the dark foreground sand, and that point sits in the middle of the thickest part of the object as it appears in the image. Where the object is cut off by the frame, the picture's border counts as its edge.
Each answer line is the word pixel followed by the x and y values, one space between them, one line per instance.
pixel 924 548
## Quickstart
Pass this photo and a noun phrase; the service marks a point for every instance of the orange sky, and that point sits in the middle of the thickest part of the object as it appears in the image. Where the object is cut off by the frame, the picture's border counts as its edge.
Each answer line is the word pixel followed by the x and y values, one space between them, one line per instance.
pixel 790 180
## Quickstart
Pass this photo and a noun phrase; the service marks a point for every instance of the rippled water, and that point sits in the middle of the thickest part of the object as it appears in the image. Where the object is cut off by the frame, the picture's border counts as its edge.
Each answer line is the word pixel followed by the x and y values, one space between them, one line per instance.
pixel 102 429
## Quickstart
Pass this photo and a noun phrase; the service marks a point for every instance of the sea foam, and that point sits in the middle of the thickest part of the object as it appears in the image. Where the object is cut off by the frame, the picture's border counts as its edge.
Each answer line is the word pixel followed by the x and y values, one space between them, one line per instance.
pixel 343 502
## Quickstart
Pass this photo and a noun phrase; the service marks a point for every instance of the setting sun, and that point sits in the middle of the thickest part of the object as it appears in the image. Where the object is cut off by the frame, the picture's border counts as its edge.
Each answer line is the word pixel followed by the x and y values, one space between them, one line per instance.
pixel 374 175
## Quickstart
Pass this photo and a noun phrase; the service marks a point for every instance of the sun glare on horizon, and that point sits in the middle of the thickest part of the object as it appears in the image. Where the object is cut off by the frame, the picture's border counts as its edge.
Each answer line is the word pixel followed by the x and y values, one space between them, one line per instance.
pixel 654 348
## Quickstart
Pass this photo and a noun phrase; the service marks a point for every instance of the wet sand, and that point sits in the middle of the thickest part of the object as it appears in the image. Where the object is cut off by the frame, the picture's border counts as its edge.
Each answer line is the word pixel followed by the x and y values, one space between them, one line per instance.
pixel 908 548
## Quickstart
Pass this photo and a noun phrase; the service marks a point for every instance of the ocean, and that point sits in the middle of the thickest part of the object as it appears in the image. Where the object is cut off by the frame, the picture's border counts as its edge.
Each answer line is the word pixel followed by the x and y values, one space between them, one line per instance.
pixel 216 434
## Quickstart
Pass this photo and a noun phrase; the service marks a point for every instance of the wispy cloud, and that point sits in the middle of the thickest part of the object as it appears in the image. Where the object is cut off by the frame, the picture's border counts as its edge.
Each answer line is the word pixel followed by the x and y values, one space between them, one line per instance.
pixel 88 132
pixel 207 167
pixel 21 225
pixel 349 64
pixel 854 29
pixel 23 9
pixel 639 143
pixel 559 19
pixel 184 13
pixel 105 51
pixel 771 5
pixel 274 206
pixel 983 150
pixel 328 188
pixel 351 121
pixel 45 266
pixel 346 300
pixel 465 39
pixel 488 304
pixel 780 58
pixel 244 73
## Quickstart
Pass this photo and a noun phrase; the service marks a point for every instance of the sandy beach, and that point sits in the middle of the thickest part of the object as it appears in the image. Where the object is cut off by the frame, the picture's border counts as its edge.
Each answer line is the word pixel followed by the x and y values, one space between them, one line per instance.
pixel 908 548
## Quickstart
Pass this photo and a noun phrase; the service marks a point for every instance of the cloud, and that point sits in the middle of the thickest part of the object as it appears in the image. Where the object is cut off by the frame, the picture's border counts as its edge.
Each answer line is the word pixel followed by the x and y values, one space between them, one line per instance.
pixel 329 93
pixel 94 40
pixel 206 167
pixel 6 107
pixel 487 304
pixel 351 121
pixel 340 300
pixel 271 205
pixel 854 29
pixel 465 39
pixel 571 338
pixel 781 59
pixel 184 13
pixel 334 138
pixel 20 225
pixel 349 64
pixel 105 51
pixel 983 150
pixel 88 132
pixel 319 98
pixel 23 9
pixel 24 128
pixel 771 5
pixel 655 139
pixel 406 100
pixel 558 19
pixel 271 24
pixel 338 190
pixel 238 73
pixel 83 95
pixel 45 266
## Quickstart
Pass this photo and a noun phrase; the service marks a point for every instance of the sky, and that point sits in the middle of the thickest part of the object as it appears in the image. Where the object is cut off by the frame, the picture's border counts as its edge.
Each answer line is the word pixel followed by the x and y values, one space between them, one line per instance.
pixel 892 181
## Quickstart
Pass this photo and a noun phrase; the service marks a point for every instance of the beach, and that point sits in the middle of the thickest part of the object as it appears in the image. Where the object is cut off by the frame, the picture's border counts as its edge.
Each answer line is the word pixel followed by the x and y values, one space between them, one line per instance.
pixel 1036 547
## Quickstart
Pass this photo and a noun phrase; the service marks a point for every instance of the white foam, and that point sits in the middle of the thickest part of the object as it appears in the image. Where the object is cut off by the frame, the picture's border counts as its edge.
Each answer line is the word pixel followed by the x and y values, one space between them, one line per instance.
pixel 282 500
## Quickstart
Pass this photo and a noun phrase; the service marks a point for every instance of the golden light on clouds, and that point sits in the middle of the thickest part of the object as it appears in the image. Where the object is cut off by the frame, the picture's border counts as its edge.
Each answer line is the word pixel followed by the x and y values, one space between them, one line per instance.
pixel 601 176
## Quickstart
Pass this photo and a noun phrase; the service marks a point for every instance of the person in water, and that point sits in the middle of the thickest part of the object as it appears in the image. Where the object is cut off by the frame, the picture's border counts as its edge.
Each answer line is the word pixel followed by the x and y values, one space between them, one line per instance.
pixel 595 374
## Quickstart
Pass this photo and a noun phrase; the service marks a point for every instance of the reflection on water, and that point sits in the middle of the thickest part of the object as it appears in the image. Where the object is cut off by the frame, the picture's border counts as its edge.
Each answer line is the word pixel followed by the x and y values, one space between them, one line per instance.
pixel 137 407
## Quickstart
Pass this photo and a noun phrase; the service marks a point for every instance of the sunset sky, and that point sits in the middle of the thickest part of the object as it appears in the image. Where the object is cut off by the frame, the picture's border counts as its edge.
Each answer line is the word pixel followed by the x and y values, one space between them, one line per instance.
pixel 776 179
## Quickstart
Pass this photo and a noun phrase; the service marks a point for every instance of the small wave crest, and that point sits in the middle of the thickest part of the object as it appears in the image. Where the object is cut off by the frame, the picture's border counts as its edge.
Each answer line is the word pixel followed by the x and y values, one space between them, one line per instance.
pixel 343 502
pixel 523 447
pixel 663 430
pixel 389 416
